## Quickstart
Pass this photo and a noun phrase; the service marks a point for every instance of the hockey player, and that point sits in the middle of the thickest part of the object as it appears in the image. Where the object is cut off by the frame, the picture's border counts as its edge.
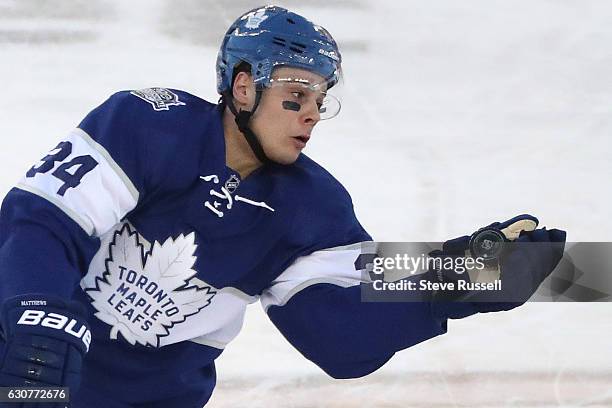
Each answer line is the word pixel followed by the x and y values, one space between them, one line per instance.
pixel 130 252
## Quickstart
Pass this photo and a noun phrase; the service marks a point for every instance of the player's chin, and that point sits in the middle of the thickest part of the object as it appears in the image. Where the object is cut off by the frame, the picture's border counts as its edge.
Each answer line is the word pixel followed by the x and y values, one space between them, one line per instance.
pixel 288 160
pixel 287 157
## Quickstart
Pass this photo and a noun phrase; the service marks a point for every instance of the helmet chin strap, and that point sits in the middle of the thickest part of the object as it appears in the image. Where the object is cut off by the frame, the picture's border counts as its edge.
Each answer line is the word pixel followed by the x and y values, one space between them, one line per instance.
pixel 242 119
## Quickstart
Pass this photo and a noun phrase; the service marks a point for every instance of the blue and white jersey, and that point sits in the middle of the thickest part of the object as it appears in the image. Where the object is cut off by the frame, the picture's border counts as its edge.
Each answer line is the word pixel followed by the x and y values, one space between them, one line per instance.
pixel 136 215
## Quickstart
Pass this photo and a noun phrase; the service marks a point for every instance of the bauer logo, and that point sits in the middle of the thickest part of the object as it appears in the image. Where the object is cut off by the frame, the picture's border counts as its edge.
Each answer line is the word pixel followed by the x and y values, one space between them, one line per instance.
pixel 58 322
pixel 329 54
pixel 160 98
pixel 145 292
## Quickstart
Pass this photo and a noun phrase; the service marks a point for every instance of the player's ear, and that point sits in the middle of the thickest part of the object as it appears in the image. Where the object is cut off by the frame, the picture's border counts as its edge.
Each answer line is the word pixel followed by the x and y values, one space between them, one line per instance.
pixel 243 90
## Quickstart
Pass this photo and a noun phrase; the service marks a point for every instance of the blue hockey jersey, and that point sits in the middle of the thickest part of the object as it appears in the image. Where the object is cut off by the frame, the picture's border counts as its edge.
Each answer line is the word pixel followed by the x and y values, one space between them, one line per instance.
pixel 136 215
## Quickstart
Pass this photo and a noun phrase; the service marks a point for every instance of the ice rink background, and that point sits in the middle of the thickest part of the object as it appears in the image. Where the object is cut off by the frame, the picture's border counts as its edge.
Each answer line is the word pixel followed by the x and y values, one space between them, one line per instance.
pixel 455 114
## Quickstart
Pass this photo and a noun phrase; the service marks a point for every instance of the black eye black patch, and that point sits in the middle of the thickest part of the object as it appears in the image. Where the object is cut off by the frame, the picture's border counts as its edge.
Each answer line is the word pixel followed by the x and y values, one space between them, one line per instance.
pixel 290 105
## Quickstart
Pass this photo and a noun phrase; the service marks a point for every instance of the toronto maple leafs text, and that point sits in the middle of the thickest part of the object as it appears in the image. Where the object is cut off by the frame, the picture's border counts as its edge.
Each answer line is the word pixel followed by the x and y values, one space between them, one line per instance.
pixel 124 298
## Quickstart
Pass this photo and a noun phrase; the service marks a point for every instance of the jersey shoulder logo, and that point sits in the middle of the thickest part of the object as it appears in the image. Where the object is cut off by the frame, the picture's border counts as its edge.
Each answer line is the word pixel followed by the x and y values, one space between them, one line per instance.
pixel 144 292
pixel 160 98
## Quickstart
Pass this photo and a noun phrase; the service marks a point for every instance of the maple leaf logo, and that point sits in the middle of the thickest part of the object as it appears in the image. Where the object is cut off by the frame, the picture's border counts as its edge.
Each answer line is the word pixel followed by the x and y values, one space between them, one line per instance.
pixel 254 20
pixel 143 294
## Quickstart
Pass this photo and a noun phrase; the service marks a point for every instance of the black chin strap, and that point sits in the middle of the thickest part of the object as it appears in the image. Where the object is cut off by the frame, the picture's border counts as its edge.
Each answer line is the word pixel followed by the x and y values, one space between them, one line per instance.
pixel 242 119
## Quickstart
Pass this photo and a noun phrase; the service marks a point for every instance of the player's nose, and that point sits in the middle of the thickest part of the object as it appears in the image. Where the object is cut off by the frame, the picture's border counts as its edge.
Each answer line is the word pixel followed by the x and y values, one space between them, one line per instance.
pixel 312 115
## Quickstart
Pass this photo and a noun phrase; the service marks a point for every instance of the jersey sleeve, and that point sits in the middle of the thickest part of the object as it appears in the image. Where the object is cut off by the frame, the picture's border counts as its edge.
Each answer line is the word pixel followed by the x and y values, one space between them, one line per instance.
pixel 316 304
pixel 50 223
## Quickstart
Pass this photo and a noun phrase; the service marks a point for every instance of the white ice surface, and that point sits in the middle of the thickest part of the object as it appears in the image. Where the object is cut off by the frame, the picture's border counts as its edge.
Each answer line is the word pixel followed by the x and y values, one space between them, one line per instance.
pixel 455 114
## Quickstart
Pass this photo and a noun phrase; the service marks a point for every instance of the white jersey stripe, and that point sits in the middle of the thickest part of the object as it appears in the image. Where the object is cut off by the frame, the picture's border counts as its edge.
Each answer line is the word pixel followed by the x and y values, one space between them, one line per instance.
pixel 103 195
pixel 271 298
pixel 113 165
pixel 334 265
pixel 210 343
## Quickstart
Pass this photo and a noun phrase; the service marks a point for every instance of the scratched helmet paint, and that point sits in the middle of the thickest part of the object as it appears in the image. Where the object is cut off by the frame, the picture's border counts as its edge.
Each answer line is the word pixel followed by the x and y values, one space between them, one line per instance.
pixel 271 36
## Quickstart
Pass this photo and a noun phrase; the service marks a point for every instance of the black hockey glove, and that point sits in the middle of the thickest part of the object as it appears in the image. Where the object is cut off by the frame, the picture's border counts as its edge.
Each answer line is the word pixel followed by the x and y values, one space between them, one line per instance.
pixel 44 342
pixel 521 255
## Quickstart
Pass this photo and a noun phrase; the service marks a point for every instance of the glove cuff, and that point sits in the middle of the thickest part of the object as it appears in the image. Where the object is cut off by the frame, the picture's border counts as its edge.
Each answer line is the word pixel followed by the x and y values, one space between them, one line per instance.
pixel 48 316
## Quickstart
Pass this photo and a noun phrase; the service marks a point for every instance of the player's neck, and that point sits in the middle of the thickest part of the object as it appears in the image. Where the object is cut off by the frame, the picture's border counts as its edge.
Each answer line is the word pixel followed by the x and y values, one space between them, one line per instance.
pixel 238 154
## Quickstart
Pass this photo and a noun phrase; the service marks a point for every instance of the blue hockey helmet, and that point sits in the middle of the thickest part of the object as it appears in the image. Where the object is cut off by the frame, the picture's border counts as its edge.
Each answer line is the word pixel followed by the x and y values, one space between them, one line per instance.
pixel 271 36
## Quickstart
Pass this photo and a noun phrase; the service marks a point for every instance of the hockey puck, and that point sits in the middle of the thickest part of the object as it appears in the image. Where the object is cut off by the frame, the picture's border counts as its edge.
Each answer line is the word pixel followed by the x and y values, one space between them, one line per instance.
pixel 487 244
